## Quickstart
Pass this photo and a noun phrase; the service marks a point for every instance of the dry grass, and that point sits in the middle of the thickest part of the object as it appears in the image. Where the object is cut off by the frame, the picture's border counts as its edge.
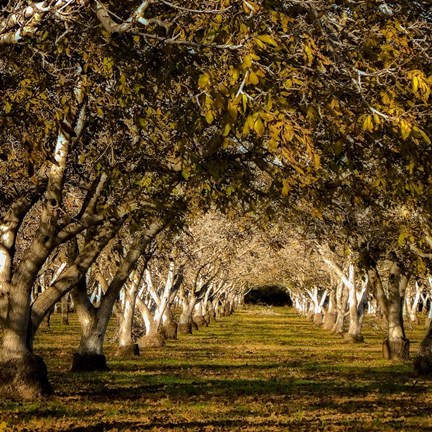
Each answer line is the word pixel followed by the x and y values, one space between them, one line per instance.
pixel 258 370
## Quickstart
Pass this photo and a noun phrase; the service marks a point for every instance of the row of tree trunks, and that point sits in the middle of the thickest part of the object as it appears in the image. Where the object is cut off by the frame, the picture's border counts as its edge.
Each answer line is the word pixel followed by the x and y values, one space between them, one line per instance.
pixel 348 301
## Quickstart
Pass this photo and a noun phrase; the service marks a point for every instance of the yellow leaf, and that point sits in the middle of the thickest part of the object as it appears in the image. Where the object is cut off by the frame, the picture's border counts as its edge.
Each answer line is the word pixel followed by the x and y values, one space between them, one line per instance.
pixel 253 78
pixel 285 187
pixel 308 51
pixel 288 83
pixel 311 113
pixel 266 116
pixel 273 145
pixel 209 116
pixel 250 7
pixel 245 128
pixel 186 173
pixel 317 213
pixel 423 134
pixel 8 107
pixel 226 130
pixel 405 129
pixel 402 236
pixel 203 80
pixel 208 101
pixel 244 29
pixel 247 61
pixel 288 132
pixel 234 75
pixel 259 127
pixel 267 39
pixel 368 124
pixel 245 101
pixel 251 121
pixel 232 110
pixel 415 83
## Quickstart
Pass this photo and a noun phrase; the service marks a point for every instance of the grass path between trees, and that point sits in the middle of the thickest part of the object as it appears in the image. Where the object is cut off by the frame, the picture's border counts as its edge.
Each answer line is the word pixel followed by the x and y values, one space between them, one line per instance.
pixel 261 369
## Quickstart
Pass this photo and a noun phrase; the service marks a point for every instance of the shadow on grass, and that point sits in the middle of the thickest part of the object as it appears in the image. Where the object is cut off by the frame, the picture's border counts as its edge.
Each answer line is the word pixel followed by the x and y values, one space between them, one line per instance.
pixel 167 425
pixel 177 385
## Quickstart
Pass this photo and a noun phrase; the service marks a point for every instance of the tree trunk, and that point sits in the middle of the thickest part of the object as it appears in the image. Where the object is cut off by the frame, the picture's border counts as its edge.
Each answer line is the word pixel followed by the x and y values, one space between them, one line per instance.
pixel 330 313
pixel 65 309
pixel 154 339
pixel 329 320
pixel 95 321
pixel 154 336
pixel 23 375
pixel 423 361
pixel 396 345
pixel 186 324
pixel 198 317
pixel 127 347
pixel 341 307
pixel 90 356
pixel 210 311
pixel 169 326
pixel 357 305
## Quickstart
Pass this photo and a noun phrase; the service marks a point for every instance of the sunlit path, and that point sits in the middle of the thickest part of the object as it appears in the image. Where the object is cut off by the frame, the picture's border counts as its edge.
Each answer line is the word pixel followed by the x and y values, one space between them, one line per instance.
pixel 259 369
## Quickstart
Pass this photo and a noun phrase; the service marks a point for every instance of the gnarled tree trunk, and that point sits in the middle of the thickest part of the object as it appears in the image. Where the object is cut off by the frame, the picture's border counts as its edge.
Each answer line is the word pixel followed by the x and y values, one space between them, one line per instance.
pixel 395 345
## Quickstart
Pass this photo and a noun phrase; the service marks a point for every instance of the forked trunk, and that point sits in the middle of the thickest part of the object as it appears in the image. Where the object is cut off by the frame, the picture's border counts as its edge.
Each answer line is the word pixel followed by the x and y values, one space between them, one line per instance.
pixel 90 356
pixel 154 336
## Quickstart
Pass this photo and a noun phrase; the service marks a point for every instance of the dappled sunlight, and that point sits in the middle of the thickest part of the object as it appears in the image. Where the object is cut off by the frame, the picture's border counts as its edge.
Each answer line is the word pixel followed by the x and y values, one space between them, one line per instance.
pixel 250 371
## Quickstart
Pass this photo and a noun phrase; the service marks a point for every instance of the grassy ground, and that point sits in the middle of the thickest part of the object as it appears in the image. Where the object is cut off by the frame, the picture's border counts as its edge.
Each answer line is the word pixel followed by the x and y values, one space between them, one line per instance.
pixel 261 369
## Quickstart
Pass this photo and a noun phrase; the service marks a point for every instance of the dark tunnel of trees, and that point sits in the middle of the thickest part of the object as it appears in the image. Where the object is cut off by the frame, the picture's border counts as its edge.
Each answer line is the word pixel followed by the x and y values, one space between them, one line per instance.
pixel 269 295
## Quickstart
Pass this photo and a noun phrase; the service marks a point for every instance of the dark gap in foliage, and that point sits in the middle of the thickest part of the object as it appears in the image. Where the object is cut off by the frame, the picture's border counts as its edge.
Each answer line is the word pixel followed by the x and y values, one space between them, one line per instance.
pixel 269 295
